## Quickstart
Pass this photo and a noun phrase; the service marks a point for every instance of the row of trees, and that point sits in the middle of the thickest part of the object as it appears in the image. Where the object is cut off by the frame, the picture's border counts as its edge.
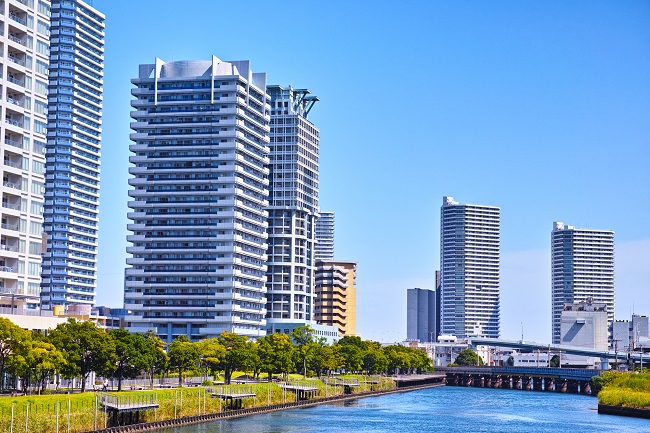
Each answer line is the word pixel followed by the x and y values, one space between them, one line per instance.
pixel 75 349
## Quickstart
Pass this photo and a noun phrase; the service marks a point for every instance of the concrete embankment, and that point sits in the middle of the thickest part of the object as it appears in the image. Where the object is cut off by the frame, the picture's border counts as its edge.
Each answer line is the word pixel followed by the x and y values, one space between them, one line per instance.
pixel 256 410
pixel 623 411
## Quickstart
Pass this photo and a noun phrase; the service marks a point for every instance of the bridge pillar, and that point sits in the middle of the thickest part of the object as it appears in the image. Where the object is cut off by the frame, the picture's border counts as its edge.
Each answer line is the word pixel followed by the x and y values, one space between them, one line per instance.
pixel 488 382
pixel 585 388
pixel 526 383
pixel 573 386
pixel 481 382
pixel 517 382
pixel 469 380
pixel 497 382
pixel 561 385
pixel 550 384
pixel 538 385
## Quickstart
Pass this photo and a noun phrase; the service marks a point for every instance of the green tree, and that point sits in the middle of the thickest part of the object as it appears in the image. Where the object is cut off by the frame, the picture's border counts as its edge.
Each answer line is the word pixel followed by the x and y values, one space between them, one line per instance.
pixel 86 348
pixel 130 354
pixel 510 362
pixel 351 350
pixel 468 357
pixel 235 356
pixel 154 357
pixel 183 355
pixel 35 361
pixel 374 359
pixel 11 336
pixel 276 353
pixel 211 353
pixel 303 337
pixel 554 362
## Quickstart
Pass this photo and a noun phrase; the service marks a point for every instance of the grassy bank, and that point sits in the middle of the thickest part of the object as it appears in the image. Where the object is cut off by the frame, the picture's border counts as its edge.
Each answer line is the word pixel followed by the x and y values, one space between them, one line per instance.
pixel 625 389
pixel 83 412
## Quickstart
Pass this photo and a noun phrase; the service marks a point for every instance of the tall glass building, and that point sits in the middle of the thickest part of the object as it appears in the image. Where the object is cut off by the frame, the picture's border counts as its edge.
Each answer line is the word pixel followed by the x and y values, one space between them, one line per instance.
pixel 69 274
pixel 293 208
pixel 469 264
pixel 24 59
pixel 325 236
pixel 199 189
pixel 582 270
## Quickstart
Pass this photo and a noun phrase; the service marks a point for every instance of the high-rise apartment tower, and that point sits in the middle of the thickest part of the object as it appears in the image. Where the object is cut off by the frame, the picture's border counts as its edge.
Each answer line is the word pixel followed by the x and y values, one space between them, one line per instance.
pixel 73 154
pixel 199 188
pixel 582 270
pixel 293 207
pixel 469 265
pixel 24 47
pixel 325 236
pixel 336 295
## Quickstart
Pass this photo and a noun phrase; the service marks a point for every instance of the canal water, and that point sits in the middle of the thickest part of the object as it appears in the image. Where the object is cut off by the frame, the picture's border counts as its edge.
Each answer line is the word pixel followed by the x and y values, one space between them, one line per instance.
pixel 447 410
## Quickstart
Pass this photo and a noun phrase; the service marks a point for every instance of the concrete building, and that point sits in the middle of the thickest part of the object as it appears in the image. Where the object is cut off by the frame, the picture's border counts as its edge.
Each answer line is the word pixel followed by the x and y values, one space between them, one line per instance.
pixel 293 208
pixel 582 268
pixel 630 334
pixel 469 265
pixel 199 188
pixel 24 60
pixel 584 324
pixel 336 295
pixel 69 274
pixel 421 316
pixel 325 236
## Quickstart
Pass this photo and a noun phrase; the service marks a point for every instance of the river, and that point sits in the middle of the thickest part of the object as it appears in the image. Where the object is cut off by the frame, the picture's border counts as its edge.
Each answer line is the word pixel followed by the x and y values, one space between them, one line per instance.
pixel 446 409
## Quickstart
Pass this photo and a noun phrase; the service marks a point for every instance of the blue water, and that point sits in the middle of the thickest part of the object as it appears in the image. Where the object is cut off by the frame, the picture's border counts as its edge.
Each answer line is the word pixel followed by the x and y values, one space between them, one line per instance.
pixel 447 410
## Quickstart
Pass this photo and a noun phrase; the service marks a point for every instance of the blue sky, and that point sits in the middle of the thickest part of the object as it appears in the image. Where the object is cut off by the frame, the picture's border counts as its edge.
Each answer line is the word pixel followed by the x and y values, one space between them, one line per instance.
pixel 541 108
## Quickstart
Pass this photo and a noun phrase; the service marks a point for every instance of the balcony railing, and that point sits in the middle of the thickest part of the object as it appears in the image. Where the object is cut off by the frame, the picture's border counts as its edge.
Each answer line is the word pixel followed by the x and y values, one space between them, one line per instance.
pixel 11 184
pixel 11 163
pixel 9 227
pixel 16 60
pixel 14 122
pixel 15 81
pixel 15 39
pixel 7 269
pixel 14 206
pixel 17 19
pixel 14 143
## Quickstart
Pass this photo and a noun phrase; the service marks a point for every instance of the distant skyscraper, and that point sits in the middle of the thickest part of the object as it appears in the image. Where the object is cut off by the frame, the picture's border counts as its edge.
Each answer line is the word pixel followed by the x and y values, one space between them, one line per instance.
pixel 293 208
pixel 336 295
pixel 421 317
pixel 73 154
pixel 24 51
pixel 325 236
pixel 199 188
pixel 582 269
pixel 469 263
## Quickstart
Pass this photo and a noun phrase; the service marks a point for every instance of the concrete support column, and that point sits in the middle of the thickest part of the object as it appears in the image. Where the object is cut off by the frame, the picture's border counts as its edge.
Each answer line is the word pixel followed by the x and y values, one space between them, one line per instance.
pixel 585 388
pixel 517 382
pixel 550 384
pixel 538 384
pixel 573 386
pixel 562 385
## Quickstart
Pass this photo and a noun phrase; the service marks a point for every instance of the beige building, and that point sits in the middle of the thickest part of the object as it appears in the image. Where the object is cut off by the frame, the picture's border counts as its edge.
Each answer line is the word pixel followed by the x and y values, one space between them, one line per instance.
pixel 336 295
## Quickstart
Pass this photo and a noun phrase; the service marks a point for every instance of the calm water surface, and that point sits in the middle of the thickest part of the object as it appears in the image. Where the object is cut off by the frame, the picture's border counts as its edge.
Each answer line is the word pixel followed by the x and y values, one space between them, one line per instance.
pixel 447 409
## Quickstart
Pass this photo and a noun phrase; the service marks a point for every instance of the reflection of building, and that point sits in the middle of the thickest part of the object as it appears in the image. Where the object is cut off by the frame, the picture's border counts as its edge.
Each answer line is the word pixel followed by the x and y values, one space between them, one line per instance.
pixel 73 154
pixel 293 208
pixel 582 268
pixel 469 264
pixel 24 45
pixel 583 324
pixel 199 179
pixel 421 317
pixel 325 236
pixel 336 295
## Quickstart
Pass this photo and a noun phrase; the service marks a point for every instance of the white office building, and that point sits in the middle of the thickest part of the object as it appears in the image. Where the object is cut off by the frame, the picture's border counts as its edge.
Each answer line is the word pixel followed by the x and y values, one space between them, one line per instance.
pixel 199 190
pixel 325 236
pixel 293 208
pixel 69 274
pixel 582 269
pixel 24 60
pixel 469 263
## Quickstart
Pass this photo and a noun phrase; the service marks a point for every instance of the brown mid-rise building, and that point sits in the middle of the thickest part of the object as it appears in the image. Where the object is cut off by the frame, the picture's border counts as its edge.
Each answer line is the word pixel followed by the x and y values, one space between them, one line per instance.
pixel 336 295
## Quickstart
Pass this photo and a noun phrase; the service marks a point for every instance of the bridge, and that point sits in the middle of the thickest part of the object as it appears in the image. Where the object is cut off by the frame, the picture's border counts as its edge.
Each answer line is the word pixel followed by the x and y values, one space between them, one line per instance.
pixel 571 350
pixel 574 380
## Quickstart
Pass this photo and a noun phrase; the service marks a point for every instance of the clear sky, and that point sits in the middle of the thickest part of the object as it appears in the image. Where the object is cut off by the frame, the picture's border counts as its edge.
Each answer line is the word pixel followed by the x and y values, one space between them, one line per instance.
pixel 541 108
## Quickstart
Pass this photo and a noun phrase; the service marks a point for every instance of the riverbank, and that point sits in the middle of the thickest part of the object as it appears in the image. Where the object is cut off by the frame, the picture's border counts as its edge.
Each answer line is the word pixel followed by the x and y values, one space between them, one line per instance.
pixel 257 410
